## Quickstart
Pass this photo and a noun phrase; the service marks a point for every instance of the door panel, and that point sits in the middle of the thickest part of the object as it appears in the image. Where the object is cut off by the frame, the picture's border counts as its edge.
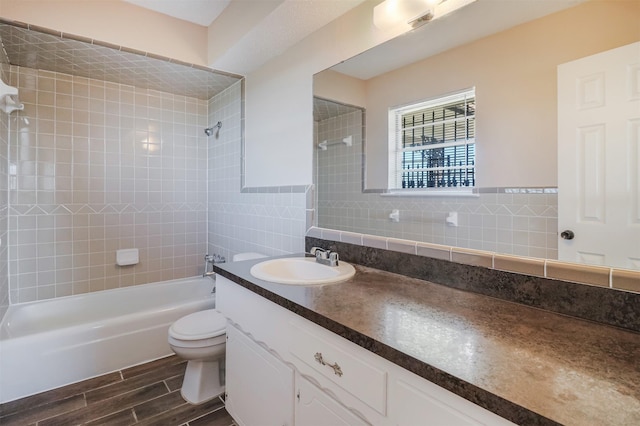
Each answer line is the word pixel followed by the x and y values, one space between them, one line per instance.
pixel 259 386
pixel 598 158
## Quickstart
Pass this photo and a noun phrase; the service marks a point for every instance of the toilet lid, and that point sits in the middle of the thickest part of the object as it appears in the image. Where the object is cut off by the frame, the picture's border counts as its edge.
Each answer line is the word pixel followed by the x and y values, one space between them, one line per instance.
pixel 199 325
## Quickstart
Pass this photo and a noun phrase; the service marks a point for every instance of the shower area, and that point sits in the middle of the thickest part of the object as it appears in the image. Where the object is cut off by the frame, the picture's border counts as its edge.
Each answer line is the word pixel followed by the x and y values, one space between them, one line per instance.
pixel 110 149
pixel 338 164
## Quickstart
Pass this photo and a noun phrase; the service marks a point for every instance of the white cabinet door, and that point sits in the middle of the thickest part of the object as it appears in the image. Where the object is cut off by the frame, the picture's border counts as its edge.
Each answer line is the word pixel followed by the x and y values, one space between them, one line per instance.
pixel 599 158
pixel 259 387
pixel 316 408
pixel 416 401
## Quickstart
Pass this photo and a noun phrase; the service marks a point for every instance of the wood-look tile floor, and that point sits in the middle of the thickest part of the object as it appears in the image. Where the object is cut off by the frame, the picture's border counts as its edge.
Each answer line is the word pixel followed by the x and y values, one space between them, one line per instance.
pixel 147 394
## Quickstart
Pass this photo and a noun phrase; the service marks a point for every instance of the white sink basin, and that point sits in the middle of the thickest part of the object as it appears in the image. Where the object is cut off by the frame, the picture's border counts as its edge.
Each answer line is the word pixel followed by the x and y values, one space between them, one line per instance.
pixel 301 271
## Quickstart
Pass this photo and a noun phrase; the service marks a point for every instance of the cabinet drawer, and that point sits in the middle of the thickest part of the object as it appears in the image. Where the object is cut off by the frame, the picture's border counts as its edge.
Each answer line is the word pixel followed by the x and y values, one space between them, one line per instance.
pixel 343 363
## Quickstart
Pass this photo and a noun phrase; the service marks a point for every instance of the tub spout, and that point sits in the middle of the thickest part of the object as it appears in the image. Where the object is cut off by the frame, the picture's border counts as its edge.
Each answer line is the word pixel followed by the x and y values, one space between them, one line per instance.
pixel 210 259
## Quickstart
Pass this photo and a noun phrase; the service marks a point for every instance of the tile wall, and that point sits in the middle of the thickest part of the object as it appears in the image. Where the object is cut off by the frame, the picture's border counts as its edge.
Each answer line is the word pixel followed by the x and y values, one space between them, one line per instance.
pixel 519 223
pixel 96 166
pixel 271 220
pixel 4 196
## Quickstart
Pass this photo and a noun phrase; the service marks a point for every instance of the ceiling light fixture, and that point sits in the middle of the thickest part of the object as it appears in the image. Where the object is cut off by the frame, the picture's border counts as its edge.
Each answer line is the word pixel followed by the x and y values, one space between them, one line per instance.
pixel 390 13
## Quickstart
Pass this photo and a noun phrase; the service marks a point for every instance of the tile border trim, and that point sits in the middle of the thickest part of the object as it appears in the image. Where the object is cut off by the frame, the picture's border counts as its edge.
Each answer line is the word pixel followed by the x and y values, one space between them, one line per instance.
pixel 474 191
pixel 285 189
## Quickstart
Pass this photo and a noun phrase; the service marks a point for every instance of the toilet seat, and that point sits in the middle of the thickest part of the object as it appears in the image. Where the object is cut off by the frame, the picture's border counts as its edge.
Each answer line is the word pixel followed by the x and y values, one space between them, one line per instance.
pixel 199 329
pixel 195 344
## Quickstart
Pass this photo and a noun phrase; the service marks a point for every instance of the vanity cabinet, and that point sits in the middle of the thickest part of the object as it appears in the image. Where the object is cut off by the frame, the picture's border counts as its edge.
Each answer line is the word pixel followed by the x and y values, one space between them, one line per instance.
pixel 308 374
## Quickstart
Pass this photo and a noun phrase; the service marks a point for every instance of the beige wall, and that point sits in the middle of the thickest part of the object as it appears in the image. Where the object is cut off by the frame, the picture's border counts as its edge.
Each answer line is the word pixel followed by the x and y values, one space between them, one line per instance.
pixel 235 21
pixel 339 87
pixel 514 73
pixel 116 22
pixel 279 119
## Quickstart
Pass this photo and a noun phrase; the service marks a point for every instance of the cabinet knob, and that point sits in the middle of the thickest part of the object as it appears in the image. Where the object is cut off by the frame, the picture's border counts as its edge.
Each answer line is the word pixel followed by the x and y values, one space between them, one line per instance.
pixel 567 235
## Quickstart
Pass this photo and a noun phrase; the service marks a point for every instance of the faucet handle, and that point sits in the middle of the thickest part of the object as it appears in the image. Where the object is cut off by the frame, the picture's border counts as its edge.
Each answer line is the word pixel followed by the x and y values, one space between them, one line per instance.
pixel 324 256
pixel 319 253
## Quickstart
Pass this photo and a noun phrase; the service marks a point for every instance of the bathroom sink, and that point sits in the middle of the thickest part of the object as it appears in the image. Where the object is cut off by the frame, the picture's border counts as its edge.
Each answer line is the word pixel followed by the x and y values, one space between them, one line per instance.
pixel 301 271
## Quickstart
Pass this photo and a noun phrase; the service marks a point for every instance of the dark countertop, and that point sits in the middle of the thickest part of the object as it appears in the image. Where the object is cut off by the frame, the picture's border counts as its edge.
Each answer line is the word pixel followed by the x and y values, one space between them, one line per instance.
pixel 528 365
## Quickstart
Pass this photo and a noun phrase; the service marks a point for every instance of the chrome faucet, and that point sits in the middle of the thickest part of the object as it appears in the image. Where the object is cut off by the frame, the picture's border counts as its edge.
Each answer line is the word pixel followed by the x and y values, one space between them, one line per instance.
pixel 210 259
pixel 325 257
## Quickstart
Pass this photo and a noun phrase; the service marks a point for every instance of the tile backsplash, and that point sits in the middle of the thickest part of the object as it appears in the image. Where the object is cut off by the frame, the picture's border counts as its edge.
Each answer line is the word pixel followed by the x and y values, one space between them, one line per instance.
pixel 96 166
pixel 586 275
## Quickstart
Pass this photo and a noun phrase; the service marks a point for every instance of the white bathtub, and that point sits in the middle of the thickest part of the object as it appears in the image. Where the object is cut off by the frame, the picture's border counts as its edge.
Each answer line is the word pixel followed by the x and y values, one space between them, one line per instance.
pixel 51 343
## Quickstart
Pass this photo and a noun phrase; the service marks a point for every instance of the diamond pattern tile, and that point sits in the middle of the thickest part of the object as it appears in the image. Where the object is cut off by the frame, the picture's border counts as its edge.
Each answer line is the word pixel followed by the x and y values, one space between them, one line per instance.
pixel 46 50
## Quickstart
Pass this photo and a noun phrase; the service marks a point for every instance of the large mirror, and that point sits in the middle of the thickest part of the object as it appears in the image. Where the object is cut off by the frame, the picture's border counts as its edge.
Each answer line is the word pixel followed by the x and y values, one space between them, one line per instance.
pixel 511 53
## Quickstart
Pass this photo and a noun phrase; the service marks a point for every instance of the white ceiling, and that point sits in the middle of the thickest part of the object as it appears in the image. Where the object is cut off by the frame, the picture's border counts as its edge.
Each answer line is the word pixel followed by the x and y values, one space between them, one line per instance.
pixel 201 12
pixel 248 33
pixel 290 22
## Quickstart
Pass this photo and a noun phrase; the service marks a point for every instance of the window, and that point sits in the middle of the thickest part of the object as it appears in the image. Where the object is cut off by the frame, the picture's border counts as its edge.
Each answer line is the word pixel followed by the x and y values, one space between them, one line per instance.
pixel 432 145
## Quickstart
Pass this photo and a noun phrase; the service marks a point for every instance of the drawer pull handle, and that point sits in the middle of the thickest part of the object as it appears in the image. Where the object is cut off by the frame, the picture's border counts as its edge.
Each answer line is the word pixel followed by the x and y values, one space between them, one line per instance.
pixel 336 368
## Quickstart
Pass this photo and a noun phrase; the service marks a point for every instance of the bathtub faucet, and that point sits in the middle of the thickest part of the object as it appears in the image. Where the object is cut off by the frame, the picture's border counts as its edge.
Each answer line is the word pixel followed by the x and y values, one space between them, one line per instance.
pixel 210 259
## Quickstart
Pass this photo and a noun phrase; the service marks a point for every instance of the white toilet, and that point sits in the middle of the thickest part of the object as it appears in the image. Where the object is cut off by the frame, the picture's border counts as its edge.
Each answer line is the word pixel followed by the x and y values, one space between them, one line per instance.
pixel 200 338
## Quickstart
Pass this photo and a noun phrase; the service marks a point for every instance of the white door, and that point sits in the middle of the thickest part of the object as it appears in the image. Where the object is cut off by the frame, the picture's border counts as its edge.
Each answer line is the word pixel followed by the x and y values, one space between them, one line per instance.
pixel 598 158
pixel 259 387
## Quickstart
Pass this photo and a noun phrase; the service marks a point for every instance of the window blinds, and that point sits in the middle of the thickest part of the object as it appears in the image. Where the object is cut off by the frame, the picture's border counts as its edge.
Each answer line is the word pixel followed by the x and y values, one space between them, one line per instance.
pixel 434 143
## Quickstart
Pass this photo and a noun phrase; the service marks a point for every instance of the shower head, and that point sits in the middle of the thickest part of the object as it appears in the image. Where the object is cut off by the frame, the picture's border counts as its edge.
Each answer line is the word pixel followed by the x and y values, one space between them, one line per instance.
pixel 209 130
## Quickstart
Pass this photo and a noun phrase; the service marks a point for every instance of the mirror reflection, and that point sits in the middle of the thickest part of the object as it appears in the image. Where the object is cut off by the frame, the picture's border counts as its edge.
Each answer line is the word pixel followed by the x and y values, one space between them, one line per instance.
pixel 521 203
